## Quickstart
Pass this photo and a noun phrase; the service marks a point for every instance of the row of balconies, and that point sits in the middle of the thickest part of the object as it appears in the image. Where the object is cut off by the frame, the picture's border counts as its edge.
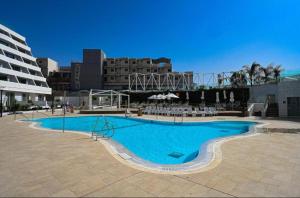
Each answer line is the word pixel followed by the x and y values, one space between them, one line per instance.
pixel 136 70
pixel 22 80
pixel 131 61
pixel 12 36
pixel 15 47
pixel 124 64
pixel 4 64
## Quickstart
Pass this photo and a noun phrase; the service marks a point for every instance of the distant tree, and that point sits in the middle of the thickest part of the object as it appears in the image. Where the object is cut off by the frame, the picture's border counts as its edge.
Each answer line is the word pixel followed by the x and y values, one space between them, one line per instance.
pixel 277 72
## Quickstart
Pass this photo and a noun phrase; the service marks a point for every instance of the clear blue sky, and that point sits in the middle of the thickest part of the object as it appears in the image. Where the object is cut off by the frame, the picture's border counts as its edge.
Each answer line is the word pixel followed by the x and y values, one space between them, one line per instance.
pixel 198 35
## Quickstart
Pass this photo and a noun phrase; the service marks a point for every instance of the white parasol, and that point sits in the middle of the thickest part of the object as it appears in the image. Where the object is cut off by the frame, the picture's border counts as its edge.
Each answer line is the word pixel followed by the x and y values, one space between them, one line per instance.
pixel 202 95
pixel 187 97
pixel 217 97
pixel 171 95
pixel 161 97
pixel 231 97
pixel 153 97
pixel 224 94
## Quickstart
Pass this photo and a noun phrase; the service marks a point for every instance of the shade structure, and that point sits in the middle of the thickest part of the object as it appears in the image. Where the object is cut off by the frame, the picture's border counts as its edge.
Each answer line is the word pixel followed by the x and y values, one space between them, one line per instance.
pixel 187 97
pixel 202 95
pixel 231 96
pixel 217 97
pixel 170 96
pixel 224 94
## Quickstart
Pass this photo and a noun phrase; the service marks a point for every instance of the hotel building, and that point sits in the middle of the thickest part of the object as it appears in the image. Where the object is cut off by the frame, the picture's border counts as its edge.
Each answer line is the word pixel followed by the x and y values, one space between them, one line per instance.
pixel 98 72
pixel 21 78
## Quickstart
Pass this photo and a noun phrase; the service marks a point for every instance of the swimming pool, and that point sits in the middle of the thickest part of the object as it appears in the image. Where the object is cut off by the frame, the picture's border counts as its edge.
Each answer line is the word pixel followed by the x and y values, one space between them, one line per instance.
pixel 157 142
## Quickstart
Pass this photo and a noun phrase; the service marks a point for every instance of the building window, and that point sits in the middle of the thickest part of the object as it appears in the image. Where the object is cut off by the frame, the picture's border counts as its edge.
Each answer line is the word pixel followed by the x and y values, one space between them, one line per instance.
pixel 148 62
pixel 126 77
pixel 105 71
pixel 105 79
pixel 4 78
pixel 169 70
pixel 112 70
pixel 133 62
pixel 22 80
pixel 40 98
pixel 155 70
pixel 105 63
pixel 148 70
pixel 112 62
pixel 112 78
pixel 126 62
pixel 133 70
pixel 126 70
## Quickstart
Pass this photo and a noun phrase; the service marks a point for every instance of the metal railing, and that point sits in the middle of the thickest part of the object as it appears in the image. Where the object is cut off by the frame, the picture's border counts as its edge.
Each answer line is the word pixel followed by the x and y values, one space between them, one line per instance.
pixel 108 126
pixel 266 105
pixel 250 109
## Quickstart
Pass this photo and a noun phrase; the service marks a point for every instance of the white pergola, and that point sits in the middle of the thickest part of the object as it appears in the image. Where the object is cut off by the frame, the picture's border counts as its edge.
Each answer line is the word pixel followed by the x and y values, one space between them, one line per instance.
pixel 155 81
pixel 138 82
pixel 107 93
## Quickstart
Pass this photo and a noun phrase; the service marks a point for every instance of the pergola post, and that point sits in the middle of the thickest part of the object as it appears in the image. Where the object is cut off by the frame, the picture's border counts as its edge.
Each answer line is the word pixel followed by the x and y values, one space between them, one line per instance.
pixel 128 101
pixel 90 100
pixel 111 98
pixel 129 87
pixel 119 103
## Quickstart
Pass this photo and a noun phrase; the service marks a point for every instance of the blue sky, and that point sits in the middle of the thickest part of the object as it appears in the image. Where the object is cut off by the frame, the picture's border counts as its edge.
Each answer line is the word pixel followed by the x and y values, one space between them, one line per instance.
pixel 198 35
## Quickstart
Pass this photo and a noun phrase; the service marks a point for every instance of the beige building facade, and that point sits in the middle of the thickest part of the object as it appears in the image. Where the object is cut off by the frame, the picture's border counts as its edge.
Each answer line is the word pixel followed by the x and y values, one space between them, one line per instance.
pixel 47 65
pixel 117 70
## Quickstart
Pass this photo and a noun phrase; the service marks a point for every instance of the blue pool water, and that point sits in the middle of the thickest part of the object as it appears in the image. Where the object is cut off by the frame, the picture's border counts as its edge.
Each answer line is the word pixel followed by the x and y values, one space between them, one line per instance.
pixel 157 142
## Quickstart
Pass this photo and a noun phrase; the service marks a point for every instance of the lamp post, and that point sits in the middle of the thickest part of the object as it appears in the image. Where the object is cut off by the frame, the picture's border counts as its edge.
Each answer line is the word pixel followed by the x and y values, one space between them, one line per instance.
pixel 1 102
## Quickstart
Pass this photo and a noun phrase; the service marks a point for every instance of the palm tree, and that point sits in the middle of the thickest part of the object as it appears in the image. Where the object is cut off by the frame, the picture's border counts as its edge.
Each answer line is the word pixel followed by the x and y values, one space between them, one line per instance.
pixel 238 79
pixel 267 72
pixel 243 79
pixel 277 71
pixel 251 71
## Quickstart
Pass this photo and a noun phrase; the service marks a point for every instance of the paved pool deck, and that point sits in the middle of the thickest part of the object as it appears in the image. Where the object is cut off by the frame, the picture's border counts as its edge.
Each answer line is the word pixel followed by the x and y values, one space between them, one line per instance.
pixel 37 162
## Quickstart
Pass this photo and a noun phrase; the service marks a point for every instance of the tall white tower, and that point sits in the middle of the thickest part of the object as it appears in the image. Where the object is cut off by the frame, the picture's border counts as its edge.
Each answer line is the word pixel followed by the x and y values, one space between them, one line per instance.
pixel 21 79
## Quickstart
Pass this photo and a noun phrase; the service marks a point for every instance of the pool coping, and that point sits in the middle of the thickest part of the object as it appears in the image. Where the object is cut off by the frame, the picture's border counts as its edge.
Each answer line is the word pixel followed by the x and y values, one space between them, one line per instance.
pixel 209 158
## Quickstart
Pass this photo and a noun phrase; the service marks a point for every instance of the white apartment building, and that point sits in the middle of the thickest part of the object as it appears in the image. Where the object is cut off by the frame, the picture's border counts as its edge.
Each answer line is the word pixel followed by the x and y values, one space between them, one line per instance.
pixel 21 79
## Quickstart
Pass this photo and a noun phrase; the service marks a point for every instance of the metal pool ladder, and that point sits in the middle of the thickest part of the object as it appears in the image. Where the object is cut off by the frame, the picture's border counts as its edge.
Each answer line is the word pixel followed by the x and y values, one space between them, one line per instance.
pixel 105 131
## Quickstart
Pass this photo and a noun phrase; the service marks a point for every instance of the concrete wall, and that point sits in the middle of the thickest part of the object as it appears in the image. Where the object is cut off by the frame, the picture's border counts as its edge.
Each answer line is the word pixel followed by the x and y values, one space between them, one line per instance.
pixel 282 91
pixel 285 90
pixel 259 93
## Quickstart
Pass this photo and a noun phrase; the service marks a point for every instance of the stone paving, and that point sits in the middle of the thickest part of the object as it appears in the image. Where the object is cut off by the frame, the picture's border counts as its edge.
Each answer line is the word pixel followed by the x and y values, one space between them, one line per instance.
pixel 43 163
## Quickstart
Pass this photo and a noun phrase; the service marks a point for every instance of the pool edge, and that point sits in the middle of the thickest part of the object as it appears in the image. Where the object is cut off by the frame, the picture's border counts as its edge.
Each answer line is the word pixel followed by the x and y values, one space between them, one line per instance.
pixel 197 165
